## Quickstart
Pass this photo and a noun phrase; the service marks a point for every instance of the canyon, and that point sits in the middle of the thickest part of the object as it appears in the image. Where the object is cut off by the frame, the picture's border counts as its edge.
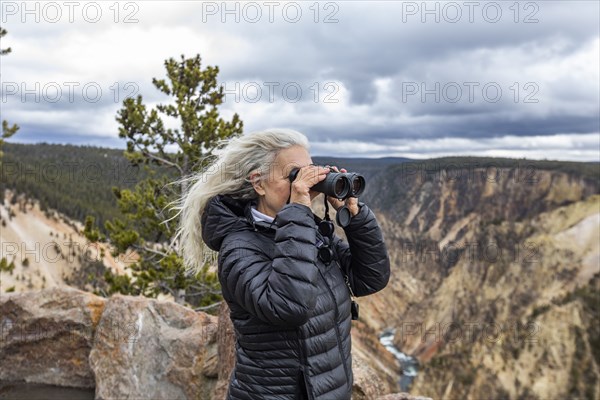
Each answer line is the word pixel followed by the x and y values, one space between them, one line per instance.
pixel 494 292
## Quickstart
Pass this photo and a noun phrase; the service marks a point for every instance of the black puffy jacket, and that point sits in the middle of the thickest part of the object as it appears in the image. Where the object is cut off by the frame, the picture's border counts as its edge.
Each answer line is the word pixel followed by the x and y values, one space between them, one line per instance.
pixel 290 311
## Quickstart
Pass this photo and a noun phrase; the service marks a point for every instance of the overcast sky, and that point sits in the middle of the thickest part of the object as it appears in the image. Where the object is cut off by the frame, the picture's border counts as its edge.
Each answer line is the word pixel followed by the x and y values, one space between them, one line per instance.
pixel 360 79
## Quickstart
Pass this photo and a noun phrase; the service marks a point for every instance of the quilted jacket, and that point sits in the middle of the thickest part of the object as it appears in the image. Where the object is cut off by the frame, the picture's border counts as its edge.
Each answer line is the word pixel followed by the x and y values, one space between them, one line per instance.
pixel 291 312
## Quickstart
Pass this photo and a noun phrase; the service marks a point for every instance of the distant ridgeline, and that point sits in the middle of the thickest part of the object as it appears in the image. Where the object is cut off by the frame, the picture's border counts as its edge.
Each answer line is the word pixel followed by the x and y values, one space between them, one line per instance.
pixel 74 180
pixel 77 180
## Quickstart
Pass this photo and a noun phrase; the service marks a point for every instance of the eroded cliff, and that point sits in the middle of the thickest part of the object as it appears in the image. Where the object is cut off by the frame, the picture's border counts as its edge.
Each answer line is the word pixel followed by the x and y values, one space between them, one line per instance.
pixel 495 281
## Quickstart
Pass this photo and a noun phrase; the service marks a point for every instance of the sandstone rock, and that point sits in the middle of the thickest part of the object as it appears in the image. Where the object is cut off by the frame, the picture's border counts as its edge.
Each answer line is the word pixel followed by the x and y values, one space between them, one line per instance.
pixel 47 335
pixel 124 346
pixel 136 347
pixel 492 286
pixel 367 384
pixel 376 371
pixel 146 348
pixel 210 369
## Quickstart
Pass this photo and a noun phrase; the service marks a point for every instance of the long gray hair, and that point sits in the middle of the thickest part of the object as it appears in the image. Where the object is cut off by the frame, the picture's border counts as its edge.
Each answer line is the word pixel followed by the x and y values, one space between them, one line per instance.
pixel 227 174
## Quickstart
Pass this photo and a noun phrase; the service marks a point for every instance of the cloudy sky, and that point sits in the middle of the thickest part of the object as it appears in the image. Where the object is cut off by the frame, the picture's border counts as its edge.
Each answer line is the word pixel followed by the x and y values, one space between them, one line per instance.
pixel 360 79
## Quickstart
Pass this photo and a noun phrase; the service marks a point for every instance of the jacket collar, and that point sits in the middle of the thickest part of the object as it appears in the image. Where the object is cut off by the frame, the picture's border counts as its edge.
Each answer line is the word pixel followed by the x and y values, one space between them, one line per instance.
pixel 224 214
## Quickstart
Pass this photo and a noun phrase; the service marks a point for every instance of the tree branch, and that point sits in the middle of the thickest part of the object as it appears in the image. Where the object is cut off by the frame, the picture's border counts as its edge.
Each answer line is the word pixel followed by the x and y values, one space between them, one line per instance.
pixel 162 160
pixel 140 247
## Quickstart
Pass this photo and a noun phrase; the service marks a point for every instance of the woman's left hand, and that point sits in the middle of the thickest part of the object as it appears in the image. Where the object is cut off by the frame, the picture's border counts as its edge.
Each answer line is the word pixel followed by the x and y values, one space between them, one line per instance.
pixel 351 202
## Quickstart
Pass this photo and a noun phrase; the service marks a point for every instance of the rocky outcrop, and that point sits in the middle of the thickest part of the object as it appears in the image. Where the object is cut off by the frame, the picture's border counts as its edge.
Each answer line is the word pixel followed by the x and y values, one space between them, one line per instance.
pixel 124 346
pixel 47 336
pixel 135 347
pixel 145 348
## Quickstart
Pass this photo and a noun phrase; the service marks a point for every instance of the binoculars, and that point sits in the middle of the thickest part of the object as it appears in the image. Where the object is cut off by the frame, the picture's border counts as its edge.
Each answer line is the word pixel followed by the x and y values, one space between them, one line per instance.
pixel 340 185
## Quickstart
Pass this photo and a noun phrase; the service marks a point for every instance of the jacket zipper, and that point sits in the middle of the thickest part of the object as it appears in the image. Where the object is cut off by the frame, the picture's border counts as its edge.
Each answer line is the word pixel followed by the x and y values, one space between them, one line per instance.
pixel 345 279
pixel 337 329
pixel 304 360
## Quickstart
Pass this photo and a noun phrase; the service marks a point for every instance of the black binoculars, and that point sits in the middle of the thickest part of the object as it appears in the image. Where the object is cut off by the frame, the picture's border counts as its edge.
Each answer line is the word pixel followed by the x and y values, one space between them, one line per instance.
pixel 340 185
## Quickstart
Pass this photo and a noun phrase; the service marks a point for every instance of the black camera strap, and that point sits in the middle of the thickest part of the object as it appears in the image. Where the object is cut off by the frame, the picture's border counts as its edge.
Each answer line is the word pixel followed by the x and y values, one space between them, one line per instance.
pixel 353 304
pixel 327 253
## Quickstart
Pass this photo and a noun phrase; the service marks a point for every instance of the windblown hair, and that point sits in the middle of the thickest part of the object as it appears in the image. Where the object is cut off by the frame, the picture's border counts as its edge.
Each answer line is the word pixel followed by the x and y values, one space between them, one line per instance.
pixel 227 174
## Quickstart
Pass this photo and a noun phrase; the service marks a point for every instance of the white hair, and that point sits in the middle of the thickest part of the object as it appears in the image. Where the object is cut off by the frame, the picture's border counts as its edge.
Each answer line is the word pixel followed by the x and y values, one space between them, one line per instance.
pixel 227 174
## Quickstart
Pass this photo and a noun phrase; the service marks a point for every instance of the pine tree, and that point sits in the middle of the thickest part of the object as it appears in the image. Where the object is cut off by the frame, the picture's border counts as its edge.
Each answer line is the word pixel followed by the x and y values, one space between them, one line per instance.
pixel 176 153
pixel 4 51
pixel 7 130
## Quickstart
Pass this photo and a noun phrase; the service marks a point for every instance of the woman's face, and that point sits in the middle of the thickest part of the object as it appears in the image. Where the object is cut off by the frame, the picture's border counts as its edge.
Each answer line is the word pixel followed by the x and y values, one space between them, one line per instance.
pixel 274 191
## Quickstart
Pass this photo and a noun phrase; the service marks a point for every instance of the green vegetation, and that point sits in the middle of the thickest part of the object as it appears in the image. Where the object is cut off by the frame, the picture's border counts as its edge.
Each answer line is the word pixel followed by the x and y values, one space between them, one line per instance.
pixel 7 130
pixel 77 180
pixel 74 180
pixel 6 266
pixel 123 197
pixel 146 224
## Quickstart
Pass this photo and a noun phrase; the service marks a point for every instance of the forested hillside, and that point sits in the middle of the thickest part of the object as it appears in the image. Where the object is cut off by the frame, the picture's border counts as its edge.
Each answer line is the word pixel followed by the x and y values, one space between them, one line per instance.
pixel 78 180
pixel 474 242
pixel 74 180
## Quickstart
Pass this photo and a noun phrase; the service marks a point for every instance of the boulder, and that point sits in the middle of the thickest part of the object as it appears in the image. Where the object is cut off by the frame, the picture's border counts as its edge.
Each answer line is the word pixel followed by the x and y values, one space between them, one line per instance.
pixel 145 348
pixel 46 336
pixel 124 346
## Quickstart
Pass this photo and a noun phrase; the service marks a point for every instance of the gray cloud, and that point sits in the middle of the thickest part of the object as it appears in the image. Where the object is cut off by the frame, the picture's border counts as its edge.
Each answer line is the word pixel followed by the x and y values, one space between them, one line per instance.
pixel 370 62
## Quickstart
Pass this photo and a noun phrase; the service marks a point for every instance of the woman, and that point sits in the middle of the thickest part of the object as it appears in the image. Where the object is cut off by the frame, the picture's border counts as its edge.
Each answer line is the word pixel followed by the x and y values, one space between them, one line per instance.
pixel 290 309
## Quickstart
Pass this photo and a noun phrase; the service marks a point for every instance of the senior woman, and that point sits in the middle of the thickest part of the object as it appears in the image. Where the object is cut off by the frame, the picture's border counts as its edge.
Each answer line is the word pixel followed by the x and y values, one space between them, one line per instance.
pixel 291 311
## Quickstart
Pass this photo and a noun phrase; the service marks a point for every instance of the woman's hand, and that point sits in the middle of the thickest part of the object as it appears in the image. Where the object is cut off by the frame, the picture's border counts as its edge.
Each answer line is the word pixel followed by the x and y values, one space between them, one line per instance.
pixel 307 177
pixel 351 202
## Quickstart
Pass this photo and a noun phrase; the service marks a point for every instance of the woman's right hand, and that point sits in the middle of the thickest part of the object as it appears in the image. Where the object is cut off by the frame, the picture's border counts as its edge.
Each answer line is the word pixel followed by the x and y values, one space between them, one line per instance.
pixel 307 177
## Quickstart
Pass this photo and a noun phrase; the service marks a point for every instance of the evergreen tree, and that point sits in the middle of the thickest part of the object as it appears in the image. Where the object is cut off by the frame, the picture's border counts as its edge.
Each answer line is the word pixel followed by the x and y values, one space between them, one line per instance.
pixel 4 51
pixel 7 130
pixel 145 228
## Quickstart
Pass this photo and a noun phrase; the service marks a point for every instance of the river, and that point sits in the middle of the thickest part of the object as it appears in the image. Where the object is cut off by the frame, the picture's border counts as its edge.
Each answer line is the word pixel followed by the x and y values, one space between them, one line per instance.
pixel 409 364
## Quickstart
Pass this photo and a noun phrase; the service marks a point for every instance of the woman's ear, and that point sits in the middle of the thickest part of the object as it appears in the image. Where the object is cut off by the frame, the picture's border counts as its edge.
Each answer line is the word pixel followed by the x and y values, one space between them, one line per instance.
pixel 255 179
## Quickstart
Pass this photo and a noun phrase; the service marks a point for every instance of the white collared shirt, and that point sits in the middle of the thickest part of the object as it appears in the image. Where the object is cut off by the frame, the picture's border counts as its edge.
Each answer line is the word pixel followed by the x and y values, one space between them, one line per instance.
pixel 258 216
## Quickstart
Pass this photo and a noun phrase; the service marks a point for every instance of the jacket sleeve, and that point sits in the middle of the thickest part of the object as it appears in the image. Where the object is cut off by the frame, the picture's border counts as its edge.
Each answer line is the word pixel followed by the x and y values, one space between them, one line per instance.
pixel 280 288
pixel 364 258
